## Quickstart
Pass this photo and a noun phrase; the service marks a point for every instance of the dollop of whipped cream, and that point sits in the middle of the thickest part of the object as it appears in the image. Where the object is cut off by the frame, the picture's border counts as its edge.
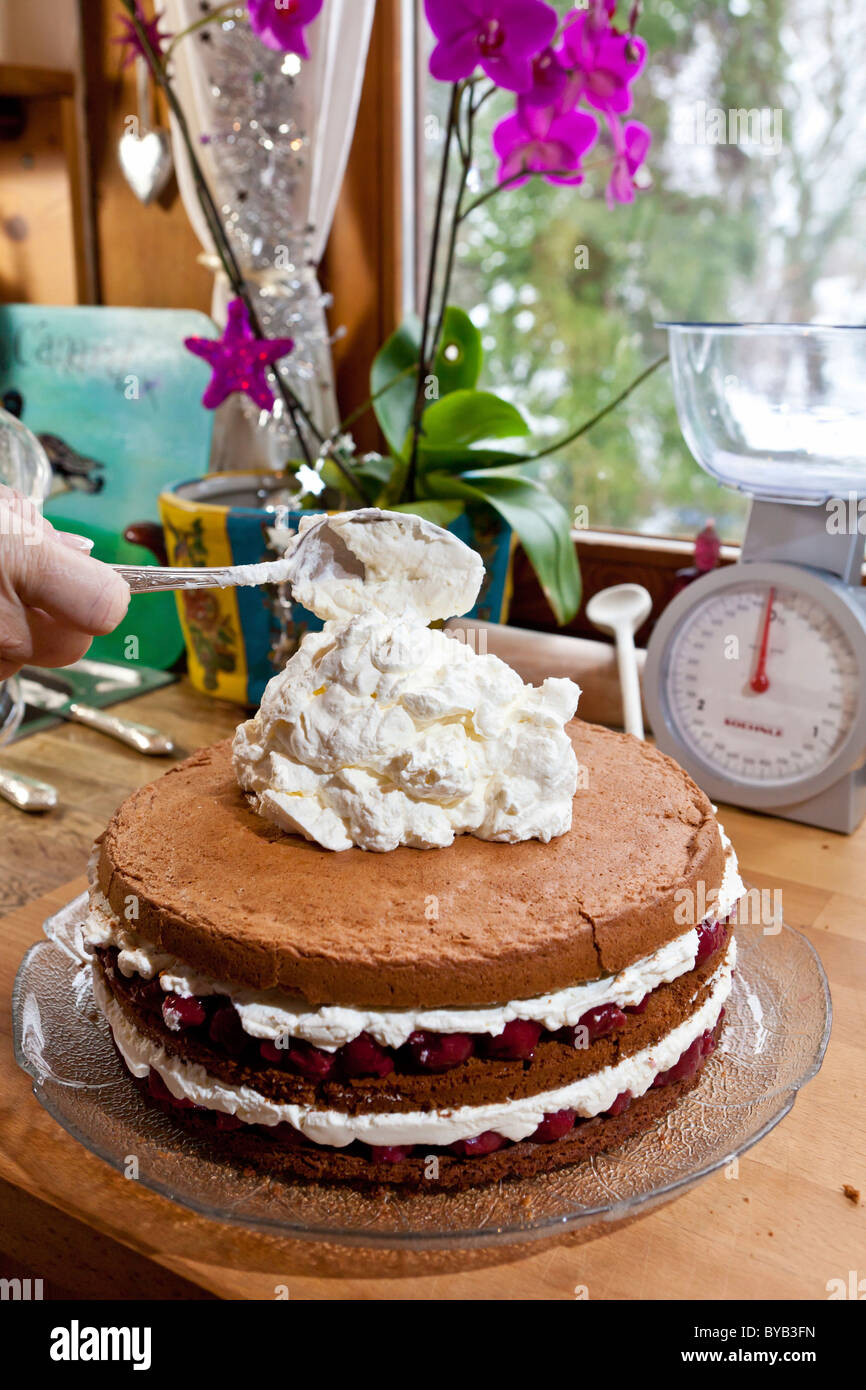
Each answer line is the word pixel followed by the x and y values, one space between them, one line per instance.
pixel 383 732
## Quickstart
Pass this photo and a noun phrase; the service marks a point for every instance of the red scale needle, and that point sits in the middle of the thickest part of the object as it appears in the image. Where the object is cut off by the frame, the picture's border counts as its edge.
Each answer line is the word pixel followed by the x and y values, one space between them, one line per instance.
pixel 760 681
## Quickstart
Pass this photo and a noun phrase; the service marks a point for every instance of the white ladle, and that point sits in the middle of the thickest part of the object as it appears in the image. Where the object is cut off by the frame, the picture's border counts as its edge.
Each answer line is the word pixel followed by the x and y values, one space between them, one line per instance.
pixel 620 611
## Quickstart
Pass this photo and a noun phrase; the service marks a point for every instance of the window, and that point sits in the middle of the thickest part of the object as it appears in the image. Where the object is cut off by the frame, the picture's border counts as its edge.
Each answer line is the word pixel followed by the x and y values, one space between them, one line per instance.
pixel 756 212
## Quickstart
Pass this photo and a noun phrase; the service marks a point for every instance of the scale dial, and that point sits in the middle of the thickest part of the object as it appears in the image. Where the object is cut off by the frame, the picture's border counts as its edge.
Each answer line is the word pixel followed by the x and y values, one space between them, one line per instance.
pixel 754 682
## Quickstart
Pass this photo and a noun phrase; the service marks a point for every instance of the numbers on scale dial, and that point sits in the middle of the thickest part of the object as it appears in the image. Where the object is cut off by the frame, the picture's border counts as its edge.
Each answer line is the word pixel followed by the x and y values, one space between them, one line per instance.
pixel 762 683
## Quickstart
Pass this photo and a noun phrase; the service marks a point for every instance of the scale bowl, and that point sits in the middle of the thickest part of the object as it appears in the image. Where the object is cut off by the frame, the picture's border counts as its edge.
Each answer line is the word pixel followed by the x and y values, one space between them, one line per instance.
pixel 774 410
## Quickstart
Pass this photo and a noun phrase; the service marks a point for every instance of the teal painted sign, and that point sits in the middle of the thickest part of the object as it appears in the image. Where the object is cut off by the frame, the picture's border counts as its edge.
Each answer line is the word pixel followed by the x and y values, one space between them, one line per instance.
pixel 118 388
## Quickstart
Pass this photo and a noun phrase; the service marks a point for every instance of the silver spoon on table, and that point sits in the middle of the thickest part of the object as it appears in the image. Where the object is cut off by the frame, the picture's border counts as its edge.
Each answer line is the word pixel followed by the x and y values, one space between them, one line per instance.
pixel 26 793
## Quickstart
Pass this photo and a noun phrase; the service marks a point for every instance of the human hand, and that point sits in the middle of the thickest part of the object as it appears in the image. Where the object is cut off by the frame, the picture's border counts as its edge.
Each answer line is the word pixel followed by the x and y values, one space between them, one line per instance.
pixel 54 597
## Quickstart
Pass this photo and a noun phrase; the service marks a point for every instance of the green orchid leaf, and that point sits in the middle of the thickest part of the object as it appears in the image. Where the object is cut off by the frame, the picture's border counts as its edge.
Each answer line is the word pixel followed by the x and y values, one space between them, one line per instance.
pixel 393 375
pixel 540 521
pixel 336 480
pixel 460 355
pixel 441 513
pixel 375 472
pixel 459 460
pixel 468 417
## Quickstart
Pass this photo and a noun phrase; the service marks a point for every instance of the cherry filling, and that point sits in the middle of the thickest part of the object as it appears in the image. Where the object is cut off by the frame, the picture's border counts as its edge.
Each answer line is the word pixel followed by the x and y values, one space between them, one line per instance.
pixel 710 937
pixel 440 1051
pixel 160 1091
pixel 622 1102
pixel 301 1057
pixel 637 1008
pixel 391 1153
pixel 180 1011
pixel 691 1060
pixel 364 1057
pixel 553 1126
pixel 287 1136
pixel 516 1042
pixel 594 1024
pixel 226 1031
pixel 426 1051
pixel 486 1143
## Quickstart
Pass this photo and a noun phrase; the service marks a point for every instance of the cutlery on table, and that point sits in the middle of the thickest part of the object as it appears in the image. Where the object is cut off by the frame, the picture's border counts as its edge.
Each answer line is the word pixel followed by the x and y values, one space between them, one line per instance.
pixel 25 792
pixel 55 699
pixel 108 675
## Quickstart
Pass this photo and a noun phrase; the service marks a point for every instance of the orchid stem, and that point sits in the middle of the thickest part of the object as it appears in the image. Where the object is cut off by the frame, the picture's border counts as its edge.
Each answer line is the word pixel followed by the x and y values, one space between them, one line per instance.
pixel 423 357
pixel 371 401
pixel 594 419
pixel 527 174
pixel 466 156
pixel 200 24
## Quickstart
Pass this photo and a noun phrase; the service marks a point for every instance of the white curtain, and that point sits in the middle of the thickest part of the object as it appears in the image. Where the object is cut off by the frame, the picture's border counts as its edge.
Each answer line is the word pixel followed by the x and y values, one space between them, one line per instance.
pixel 272 135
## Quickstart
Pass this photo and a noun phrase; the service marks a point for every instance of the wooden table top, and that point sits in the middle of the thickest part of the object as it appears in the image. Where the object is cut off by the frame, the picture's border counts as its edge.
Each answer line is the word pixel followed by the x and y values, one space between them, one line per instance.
pixel 782 1228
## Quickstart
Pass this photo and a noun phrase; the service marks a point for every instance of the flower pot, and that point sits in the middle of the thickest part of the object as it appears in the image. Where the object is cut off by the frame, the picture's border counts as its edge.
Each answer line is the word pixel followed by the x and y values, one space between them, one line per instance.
pixel 237 639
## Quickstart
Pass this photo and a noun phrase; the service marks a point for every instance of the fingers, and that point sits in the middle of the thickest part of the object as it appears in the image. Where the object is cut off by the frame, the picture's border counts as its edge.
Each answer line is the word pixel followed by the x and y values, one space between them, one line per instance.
pixel 21 517
pixel 66 583
pixel 41 641
pixel 53 643
pixel 73 540
pixel 54 597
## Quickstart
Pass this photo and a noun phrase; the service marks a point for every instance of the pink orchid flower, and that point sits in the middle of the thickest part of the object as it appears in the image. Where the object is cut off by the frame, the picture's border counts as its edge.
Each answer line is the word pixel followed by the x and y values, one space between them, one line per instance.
pixel 502 36
pixel 603 63
pixel 549 80
pixel 631 147
pixel 280 24
pixel 537 140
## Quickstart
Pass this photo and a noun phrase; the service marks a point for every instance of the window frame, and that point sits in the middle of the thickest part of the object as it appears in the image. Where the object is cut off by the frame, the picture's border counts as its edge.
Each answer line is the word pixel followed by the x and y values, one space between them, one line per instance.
pixel 374 281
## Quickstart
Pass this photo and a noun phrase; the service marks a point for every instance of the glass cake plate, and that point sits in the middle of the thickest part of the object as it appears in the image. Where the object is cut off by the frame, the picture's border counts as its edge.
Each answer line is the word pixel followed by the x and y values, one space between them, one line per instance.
pixel 776 1030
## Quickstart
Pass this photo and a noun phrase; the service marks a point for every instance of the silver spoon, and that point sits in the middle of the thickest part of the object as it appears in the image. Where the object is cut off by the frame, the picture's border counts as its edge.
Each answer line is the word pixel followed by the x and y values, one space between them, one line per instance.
pixel 150 579
pixel 321 552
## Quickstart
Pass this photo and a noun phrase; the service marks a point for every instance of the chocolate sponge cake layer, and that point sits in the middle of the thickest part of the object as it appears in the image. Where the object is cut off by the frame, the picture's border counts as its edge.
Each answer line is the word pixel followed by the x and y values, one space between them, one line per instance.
pixel 475 924
pixel 478 1081
pixel 255 1149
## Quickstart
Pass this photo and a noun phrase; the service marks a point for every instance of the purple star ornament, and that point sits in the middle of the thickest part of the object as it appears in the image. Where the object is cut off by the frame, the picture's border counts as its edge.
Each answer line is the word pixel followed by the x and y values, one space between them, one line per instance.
pixel 132 44
pixel 238 360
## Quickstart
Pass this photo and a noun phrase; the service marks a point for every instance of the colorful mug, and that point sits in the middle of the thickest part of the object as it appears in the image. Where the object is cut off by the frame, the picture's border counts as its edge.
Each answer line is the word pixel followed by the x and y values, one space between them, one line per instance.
pixel 237 639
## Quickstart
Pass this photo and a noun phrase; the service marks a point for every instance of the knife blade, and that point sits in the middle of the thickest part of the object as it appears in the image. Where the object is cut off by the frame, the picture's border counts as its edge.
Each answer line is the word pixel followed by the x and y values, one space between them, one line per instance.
pixel 108 674
pixel 138 736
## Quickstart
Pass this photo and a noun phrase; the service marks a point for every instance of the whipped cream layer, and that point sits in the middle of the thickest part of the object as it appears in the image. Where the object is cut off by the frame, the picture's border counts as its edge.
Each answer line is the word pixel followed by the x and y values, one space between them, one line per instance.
pixel 381 732
pixel 515 1120
pixel 275 1014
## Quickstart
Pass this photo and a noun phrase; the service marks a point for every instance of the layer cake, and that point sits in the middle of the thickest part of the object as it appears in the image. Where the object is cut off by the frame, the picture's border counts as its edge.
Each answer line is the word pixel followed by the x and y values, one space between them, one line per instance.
pixel 444 1016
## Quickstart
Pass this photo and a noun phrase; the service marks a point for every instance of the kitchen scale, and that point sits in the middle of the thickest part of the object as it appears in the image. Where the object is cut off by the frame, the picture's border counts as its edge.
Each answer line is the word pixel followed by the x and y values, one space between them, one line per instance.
pixel 755 679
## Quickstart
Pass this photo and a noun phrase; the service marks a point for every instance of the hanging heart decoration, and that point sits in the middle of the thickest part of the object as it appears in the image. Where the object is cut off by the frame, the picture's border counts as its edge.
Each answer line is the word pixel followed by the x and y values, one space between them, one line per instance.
pixel 146 163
